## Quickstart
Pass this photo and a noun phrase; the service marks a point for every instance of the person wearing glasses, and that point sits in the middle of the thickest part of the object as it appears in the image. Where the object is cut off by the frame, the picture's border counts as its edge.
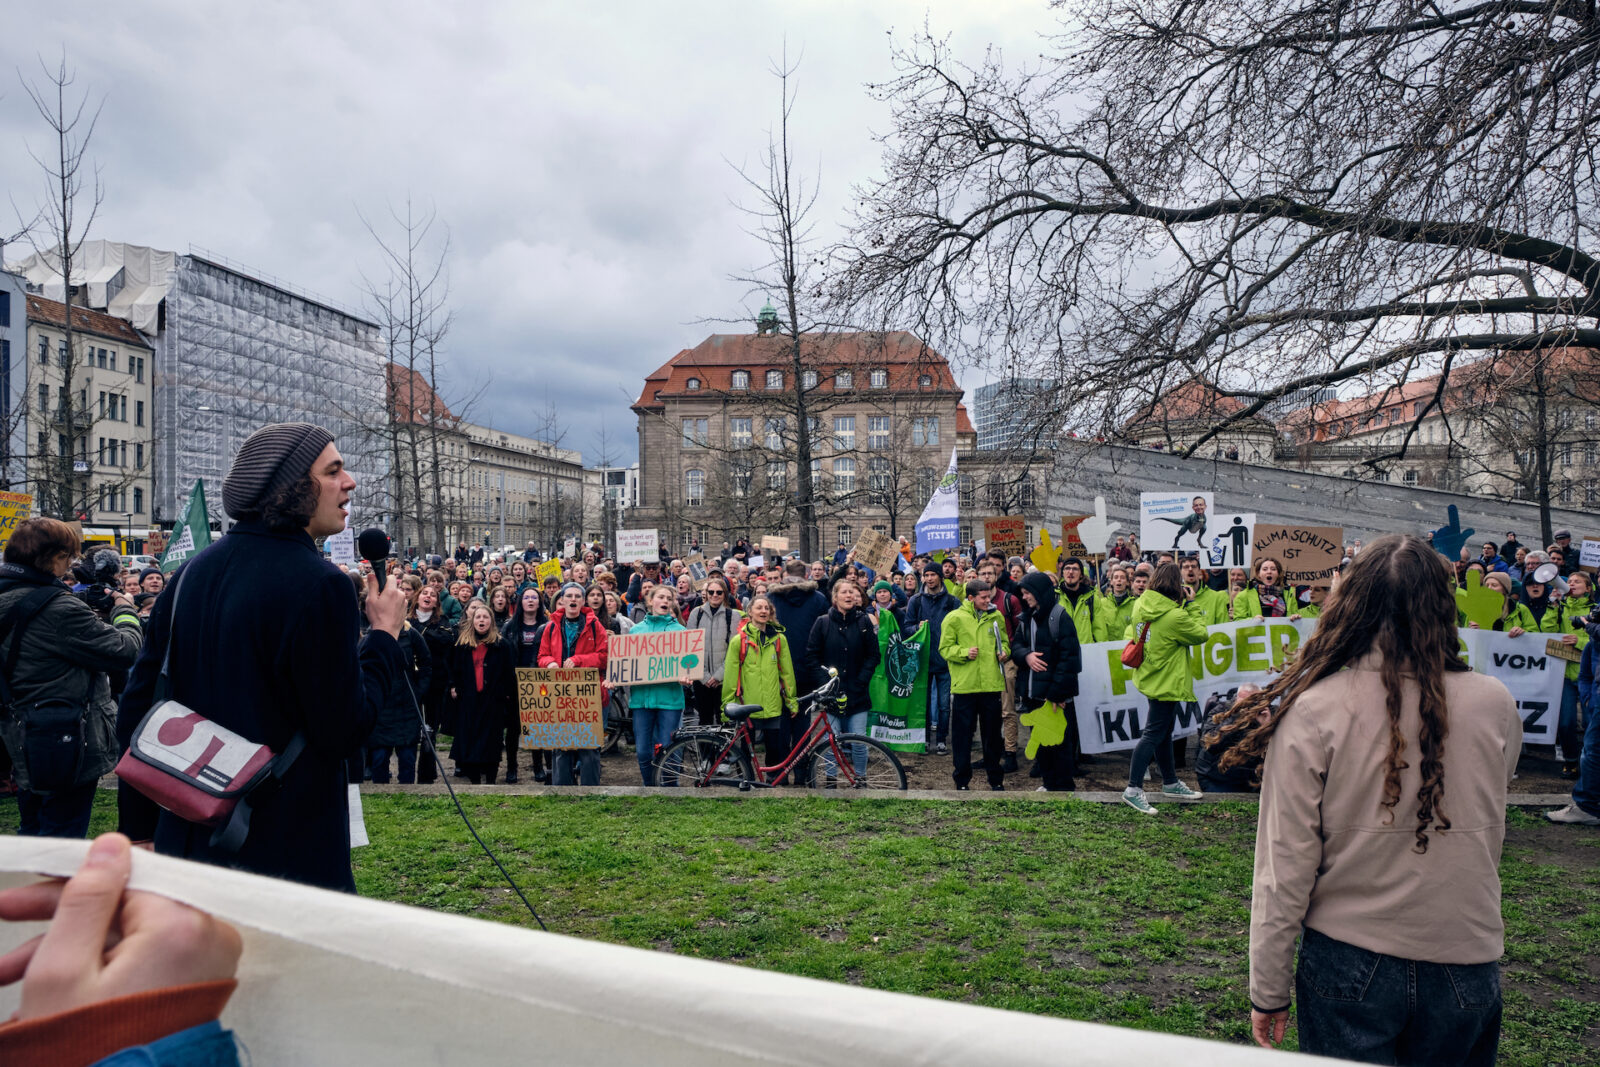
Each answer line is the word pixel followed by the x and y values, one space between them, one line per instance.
pixel 720 621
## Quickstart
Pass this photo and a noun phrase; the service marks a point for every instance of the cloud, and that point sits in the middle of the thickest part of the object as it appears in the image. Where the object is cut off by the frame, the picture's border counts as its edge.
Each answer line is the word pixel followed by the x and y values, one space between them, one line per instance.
pixel 579 155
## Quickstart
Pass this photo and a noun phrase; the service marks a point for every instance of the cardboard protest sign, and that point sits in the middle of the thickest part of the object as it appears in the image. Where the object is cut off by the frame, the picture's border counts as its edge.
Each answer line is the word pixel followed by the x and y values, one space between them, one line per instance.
pixel 1071 543
pixel 1570 653
pixel 560 708
pixel 876 551
pixel 698 573
pixel 14 507
pixel 1588 555
pixel 1174 521
pixel 550 568
pixel 155 543
pixel 1310 554
pixel 638 546
pixel 1231 541
pixel 772 543
pixel 1009 534
pixel 658 656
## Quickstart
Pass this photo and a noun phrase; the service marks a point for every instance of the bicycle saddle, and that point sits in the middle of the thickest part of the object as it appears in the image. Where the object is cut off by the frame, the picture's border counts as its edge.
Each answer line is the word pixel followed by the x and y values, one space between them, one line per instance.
pixel 735 712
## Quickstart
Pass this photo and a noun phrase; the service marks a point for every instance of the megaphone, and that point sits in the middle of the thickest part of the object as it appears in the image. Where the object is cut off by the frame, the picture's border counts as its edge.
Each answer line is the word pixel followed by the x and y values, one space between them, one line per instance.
pixel 1546 573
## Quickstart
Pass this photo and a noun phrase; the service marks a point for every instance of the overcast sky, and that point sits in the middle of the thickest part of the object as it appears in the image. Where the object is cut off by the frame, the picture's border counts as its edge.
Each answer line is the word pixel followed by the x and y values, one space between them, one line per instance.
pixel 578 154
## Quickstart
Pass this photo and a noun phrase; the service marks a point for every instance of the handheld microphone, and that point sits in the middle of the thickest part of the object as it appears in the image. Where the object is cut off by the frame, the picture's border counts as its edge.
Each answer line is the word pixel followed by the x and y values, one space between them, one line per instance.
pixel 373 544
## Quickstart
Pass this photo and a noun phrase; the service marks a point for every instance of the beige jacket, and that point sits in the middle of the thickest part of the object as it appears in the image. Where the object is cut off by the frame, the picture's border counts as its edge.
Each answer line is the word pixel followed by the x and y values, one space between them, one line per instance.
pixel 1325 857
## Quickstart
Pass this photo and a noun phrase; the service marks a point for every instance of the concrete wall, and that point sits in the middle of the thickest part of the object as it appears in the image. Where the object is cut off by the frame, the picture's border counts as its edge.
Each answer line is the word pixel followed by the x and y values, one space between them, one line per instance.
pixel 1365 509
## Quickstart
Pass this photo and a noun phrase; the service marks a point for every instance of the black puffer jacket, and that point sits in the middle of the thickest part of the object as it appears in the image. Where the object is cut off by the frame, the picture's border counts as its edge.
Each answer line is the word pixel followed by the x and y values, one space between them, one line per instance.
pixel 65 655
pixel 398 723
pixel 1063 656
pixel 847 642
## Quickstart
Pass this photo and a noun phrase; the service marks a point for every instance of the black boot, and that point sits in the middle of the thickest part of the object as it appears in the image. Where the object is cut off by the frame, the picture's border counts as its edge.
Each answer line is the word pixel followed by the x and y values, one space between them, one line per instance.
pixel 1010 764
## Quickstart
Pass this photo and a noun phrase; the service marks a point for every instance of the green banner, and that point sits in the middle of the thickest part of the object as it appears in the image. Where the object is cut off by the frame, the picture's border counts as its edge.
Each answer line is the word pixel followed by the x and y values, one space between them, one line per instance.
pixel 191 533
pixel 899 690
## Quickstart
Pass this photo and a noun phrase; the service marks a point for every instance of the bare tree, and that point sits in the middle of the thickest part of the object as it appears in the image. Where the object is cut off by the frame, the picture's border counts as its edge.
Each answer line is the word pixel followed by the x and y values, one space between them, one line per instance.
pixel 1273 197
pixel 65 214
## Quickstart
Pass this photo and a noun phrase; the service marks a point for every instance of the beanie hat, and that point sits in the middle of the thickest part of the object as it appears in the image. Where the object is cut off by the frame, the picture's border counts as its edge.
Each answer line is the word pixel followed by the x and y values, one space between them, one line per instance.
pixel 881 584
pixel 147 572
pixel 271 458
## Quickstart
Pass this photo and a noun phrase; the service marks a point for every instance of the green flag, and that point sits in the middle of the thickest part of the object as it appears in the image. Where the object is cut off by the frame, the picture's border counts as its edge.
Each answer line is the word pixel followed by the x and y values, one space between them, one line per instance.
pixel 191 533
pixel 899 689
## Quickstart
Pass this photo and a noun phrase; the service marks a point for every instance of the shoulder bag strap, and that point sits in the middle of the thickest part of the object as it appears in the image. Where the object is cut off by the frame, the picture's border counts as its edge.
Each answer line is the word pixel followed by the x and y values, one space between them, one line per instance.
pixel 163 688
pixel 16 622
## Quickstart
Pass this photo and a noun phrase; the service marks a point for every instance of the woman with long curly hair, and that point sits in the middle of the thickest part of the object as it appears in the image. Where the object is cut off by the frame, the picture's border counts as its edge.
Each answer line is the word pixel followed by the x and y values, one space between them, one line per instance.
pixel 1396 903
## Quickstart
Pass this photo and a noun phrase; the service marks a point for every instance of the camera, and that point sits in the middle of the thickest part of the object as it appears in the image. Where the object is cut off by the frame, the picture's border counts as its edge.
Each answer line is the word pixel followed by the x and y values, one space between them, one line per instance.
pixel 97 572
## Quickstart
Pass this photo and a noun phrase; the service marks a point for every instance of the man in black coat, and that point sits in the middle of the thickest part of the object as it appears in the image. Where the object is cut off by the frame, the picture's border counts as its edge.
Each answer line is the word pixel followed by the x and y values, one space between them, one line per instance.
pixel 264 643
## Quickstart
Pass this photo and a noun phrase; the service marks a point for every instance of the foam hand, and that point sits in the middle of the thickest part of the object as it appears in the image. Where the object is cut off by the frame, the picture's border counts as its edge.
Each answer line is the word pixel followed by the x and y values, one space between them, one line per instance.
pixel 1483 604
pixel 1045 556
pixel 1049 725
pixel 1095 531
pixel 1448 539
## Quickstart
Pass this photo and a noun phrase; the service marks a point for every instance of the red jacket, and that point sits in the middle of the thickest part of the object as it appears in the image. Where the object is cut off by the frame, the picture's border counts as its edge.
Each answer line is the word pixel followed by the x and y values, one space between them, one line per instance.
pixel 590 651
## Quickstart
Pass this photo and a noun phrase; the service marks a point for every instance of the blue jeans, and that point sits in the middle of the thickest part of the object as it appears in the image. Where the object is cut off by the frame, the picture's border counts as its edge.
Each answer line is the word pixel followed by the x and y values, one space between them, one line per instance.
pixel 379 764
pixel 653 727
pixel 939 706
pixel 581 767
pixel 1568 739
pixel 1586 793
pixel 1366 1006
pixel 853 723
pixel 64 813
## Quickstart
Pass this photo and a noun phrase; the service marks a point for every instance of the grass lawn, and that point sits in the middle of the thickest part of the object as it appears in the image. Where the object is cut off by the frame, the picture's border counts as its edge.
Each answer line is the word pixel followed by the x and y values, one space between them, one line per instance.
pixel 1071 909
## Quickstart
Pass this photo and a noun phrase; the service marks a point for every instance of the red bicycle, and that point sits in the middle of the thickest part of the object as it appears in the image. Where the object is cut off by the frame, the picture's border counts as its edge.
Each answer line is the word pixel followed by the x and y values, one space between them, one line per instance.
pixel 822 759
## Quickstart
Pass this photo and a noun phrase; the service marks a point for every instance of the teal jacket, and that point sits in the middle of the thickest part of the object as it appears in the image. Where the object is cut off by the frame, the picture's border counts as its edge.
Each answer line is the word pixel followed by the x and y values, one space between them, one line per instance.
pixel 1164 674
pixel 665 696
pixel 964 628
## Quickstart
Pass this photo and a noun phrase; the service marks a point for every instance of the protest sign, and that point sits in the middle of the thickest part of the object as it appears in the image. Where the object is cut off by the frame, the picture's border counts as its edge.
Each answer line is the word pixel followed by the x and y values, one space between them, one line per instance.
pixel 1173 521
pixel 899 690
pixel 1111 712
pixel 772 543
pixel 1231 541
pixel 1560 650
pixel 342 546
pixel 1310 554
pixel 1095 531
pixel 939 525
pixel 658 656
pixel 638 546
pixel 14 507
pixel 876 551
pixel 1448 539
pixel 1071 543
pixel 1047 555
pixel 560 708
pixel 1009 534
pixel 756 562
pixel 155 543
pixel 570 549
pixel 1589 555
pixel 1534 677
pixel 696 566
pixel 1482 604
pixel 550 568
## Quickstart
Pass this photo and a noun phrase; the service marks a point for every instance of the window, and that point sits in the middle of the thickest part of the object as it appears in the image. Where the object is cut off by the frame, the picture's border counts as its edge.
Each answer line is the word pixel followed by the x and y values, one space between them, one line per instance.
pixel 740 432
pixel 877 432
pixel 776 428
pixel 1566 492
pixel 742 474
pixel 843 380
pixel 138 500
pixel 844 476
pixel 924 381
pixel 845 537
pixel 61 352
pixel 925 431
pixel 808 379
pixel 5 309
pixel 995 492
pixel 113 361
pixel 844 433
pixel 927 478
pixel 1410 477
pixel 138 370
pixel 740 380
pixel 138 412
pixel 1588 421
pixel 138 456
pixel 878 379
pixel 1590 493
pixel 1025 494
pixel 1566 455
pixel 44 350
pixel 102 355
pixel 44 399
pixel 693 384
pixel 694 487
pixel 101 454
pixel 695 433
pixel 778 476
pixel 878 476
pixel 969 493
pixel 964 531
pixel 775 379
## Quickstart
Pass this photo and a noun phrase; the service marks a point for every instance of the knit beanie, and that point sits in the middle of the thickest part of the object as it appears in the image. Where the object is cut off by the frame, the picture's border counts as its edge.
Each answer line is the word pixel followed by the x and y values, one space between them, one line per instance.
pixel 880 584
pixel 271 458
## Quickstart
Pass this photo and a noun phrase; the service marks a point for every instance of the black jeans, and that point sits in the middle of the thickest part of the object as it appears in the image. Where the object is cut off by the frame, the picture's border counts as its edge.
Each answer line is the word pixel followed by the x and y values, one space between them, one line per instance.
pixel 64 813
pixel 706 701
pixel 1373 1008
pixel 1156 740
pixel 980 711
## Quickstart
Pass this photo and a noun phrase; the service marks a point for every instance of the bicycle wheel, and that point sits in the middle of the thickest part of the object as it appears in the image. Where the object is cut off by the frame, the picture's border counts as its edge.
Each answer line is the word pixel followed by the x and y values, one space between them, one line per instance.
pixel 612 736
pixel 694 763
pixel 883 770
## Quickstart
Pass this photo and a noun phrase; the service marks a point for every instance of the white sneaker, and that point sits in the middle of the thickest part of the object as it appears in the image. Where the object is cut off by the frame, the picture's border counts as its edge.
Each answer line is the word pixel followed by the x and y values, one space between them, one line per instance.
pixel 1573 814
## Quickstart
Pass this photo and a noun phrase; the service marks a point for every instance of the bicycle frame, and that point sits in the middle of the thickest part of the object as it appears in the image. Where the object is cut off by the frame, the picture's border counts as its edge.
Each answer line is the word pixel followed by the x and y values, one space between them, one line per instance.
pixel 818 737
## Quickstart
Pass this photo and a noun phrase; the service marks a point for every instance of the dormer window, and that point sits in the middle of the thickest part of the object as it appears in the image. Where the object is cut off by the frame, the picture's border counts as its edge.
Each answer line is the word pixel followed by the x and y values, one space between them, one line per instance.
pixel 692 384
pixel 741 380
pixel 808 379
pixel 924 381
pixel 774 379
pixel 879 379
pixel 843 380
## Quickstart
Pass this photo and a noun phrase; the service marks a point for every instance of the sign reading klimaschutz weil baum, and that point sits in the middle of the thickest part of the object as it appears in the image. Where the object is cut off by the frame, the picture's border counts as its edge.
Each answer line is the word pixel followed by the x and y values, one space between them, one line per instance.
pixel 560 708
pixel 659 656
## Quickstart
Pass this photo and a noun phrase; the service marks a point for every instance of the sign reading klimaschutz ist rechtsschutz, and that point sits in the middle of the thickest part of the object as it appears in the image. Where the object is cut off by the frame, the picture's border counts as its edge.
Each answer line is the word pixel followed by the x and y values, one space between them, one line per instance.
pixel 1111 712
